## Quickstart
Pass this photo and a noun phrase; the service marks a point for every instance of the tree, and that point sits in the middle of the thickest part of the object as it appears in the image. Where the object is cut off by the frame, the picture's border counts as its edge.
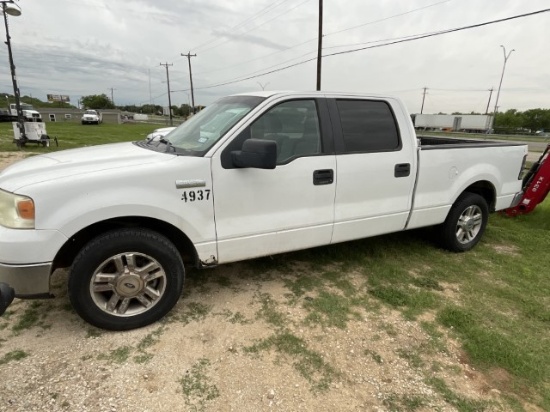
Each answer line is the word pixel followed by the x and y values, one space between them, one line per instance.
pixel 97 101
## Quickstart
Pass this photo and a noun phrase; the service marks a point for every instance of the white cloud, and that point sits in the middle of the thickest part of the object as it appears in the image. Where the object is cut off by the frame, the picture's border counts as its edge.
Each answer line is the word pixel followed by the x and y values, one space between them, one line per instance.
pixel 86 47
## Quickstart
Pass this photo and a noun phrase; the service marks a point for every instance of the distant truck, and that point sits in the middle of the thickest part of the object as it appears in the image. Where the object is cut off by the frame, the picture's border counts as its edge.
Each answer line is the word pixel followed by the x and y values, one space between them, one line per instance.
pixel 29 113
pixel 471 123
pixel 91 117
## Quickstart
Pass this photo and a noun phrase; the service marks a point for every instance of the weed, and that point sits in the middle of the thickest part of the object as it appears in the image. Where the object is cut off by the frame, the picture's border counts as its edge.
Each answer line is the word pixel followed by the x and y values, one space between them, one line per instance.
pixel 94 332
pixel 150 339
pixel 269 312
pixel 194 312
pixel 119 355
pixel 234 318
pixel 375 356
pixel 14 355
pixel 461 403
pixel 29 319
pixel 407 403
pixel 413 358
pixel 329 309
pixel 143 358
pixel 308 363
pixel 196 385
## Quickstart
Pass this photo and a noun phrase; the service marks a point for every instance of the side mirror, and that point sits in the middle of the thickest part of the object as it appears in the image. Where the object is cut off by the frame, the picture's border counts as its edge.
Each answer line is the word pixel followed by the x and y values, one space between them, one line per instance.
pixel 256 153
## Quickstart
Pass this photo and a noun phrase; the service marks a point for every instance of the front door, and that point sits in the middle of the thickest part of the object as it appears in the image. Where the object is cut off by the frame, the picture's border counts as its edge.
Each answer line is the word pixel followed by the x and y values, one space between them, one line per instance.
pixel 262 212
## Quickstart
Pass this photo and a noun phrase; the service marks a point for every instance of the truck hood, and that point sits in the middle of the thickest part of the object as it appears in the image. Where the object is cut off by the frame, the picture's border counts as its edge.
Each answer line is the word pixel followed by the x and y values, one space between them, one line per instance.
pixel 67 163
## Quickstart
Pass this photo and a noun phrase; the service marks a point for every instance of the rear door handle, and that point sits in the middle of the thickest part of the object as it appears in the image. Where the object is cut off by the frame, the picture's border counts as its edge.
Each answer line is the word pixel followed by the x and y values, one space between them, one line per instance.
pixel 323 177
pixel 402 170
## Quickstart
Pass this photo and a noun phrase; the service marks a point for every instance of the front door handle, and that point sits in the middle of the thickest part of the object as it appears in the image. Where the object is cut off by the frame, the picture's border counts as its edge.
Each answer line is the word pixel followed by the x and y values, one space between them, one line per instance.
pixel 323 177
pixel 402 170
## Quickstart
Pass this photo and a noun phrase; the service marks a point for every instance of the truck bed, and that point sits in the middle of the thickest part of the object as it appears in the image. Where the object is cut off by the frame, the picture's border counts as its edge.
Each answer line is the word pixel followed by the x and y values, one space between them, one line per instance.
pixel 435 142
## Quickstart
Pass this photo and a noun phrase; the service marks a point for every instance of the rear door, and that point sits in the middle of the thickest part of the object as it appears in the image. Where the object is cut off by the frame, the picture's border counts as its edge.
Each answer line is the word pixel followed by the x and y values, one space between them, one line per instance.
pixel 376 167
pixel 262 212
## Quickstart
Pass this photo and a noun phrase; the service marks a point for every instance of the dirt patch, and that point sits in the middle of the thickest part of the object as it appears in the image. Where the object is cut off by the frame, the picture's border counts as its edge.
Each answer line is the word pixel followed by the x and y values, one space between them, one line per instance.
pixel 238 341
pixel 510 250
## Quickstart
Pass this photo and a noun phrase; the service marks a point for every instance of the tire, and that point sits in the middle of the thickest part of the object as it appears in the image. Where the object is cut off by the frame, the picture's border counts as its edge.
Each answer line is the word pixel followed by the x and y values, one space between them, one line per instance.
pixel 126 279
pixel 465 223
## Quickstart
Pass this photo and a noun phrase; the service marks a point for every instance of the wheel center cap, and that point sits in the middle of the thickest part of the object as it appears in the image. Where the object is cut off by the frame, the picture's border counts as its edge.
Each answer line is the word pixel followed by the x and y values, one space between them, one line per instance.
pixel 129 285
pixel 469 224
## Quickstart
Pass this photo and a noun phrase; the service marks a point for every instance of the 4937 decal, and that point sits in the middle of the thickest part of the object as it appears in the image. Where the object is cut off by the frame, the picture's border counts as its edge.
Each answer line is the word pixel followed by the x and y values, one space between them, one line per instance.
pixel 195 195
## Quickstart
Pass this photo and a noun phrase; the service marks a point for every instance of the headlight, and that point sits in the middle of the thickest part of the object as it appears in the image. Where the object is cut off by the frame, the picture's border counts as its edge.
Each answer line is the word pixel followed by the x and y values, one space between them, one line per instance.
pixel 16 212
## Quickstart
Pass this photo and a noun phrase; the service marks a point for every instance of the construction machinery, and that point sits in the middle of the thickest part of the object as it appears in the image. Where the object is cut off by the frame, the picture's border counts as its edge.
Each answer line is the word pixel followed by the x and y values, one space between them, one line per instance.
pixel 536 185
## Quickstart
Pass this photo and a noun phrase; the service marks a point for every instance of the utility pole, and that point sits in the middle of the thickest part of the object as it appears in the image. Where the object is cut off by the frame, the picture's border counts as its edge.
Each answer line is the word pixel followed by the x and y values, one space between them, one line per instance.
pixel 489 102
pixel 263 86
pixel 150 96
pixel 320 45
pixel 169 97
pixel 112 98
pixel 423 98
pixel 8 7
pixel 189 55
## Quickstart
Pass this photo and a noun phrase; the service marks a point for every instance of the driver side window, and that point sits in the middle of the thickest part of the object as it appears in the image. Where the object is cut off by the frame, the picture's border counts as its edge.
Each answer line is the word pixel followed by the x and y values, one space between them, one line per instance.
pixel 294 126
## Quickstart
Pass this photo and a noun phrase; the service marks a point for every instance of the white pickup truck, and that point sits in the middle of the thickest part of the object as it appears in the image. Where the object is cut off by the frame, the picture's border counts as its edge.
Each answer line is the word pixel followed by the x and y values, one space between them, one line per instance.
pixel 290 171
pixel 91 117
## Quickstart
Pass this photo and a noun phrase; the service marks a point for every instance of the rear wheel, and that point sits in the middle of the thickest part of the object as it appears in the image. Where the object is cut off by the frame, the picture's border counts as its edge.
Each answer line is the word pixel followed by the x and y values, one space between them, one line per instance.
pixel 126 279
pixel 465 223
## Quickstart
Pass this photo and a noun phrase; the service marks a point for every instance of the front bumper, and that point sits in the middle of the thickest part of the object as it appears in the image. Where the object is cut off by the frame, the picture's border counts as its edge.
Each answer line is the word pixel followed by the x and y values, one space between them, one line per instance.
pixel 28 281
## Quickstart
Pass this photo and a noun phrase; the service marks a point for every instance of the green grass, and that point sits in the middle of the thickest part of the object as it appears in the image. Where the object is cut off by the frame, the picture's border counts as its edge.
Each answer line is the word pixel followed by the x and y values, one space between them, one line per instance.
pixel 72 135
pixel 118 355
pixel 14 355
pixel 309 363
pixel 196 386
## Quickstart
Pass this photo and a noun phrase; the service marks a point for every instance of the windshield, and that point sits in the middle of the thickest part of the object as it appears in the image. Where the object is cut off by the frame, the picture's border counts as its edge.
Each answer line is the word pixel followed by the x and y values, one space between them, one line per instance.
pixel 90 112
pixel 26 106
pixel 202 131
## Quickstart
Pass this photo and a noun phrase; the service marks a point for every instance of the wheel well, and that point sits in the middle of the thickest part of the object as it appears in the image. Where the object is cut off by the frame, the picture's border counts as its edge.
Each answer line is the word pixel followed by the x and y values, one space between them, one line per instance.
pixel 486 190
pixel 70 249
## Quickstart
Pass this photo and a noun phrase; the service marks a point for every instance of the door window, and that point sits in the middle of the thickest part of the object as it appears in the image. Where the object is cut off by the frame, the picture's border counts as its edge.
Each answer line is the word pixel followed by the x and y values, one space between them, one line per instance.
pixel 293 125
pixel 368 126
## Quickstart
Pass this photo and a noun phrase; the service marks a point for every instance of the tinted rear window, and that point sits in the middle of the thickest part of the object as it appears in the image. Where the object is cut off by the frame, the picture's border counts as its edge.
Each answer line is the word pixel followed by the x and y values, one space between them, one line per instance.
pixel 368 126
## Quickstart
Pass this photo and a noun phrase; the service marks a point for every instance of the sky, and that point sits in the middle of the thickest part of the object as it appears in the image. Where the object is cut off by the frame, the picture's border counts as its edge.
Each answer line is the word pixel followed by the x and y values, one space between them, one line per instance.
pixel 86 47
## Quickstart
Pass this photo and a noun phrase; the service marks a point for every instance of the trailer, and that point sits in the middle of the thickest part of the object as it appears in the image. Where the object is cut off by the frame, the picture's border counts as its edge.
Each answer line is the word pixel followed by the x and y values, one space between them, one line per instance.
pixel 470 123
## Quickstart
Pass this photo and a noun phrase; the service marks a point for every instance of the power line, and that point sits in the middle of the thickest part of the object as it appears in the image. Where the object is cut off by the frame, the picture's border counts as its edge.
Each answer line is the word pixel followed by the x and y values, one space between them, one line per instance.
pixel 325 35
pixel 410 38
pixel 472 26
pixel 387 18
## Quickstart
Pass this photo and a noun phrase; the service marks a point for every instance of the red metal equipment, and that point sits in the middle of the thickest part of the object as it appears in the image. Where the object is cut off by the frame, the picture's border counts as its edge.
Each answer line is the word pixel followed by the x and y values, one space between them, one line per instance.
pixel 536 185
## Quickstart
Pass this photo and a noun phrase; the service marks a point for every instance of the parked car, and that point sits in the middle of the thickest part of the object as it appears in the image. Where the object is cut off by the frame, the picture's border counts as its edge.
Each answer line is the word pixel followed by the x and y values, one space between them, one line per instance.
pixel 289 171
pixel 6 116
pixel 91 117
pixel 158 133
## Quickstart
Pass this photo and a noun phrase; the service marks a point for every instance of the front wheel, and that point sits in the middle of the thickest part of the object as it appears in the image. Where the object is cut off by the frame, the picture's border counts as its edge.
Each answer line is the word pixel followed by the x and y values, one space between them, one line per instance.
pixel 465 223
pixel 126 279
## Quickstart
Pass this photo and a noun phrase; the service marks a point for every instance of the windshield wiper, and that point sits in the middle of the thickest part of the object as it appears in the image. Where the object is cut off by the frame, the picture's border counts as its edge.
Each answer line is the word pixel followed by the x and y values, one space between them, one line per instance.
pixel 168 144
